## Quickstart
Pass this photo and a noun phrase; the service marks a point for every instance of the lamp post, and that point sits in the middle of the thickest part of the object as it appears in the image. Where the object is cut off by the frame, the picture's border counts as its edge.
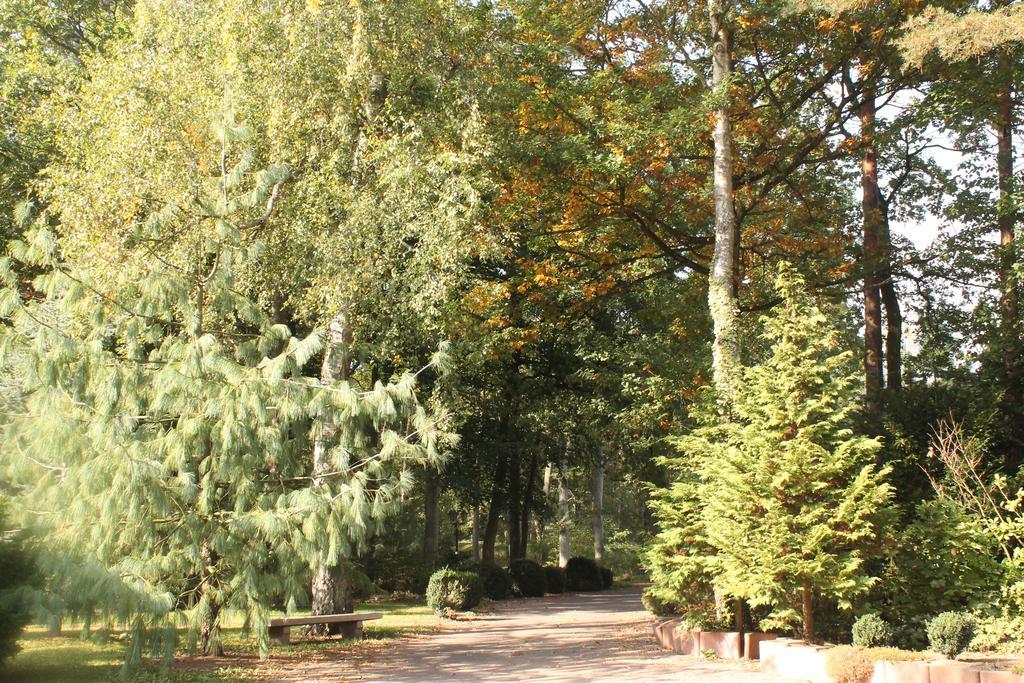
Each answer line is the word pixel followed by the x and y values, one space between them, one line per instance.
pixel 456 516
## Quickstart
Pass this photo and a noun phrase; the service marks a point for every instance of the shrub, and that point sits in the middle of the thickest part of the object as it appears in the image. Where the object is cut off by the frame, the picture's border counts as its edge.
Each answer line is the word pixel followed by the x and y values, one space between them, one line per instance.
pixel 607 577
pixel 555 577
pixel 583 574
pixel 497 582
pixel 950 633
pixel 846 664
pixel 452 589
pixel 871 631
pixel 951 554
pixel 528 578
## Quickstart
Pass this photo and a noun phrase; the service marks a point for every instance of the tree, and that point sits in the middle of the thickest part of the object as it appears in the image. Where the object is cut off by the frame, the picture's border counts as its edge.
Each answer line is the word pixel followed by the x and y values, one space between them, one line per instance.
pixel 790 498
pixel 18 587
pixel 168 413
pixel 989 35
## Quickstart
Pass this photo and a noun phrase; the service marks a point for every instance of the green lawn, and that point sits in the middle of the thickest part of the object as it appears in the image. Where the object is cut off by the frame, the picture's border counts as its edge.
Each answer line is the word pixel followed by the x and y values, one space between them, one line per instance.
pixel 69 658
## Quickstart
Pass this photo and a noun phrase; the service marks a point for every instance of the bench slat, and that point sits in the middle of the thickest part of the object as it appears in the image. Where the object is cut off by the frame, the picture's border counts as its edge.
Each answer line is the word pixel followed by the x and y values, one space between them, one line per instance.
pixel 326 619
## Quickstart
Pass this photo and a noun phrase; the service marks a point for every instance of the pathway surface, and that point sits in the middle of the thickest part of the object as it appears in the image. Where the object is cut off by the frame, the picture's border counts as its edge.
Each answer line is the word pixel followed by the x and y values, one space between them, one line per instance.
pixel 586 637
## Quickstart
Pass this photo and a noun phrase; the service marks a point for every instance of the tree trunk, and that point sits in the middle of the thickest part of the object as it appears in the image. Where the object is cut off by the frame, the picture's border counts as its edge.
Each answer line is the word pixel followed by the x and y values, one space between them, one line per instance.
pixel 209 642
pixel 494 512
pixel 331 588
pixel 524 518
pixel 873 256
pixel 808 612
pixel 723 279
pixel 563 518
pixel 599 514
pixel 474 542
pixel 893 334
pixel 1013 397
pixel 739 620
pixel 432 519
pixel 209 631
pixel 515 502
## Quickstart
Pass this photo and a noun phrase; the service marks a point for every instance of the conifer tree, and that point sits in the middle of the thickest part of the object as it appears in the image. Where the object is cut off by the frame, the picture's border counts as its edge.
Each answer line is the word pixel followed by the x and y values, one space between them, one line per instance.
pixel 789 497
pixel 166 442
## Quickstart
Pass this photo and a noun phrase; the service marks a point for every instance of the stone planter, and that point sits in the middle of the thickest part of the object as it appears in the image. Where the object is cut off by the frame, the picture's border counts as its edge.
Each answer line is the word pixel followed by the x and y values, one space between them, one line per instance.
pixel 1001 677
pixel 671 636
pixel 752 644
pixel 952 672
pixel 725 644
pixel 794 659
pixel 900 672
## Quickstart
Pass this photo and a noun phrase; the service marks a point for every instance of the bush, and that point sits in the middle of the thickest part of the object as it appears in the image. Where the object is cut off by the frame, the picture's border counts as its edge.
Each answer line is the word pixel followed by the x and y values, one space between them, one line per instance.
pixel 452 589
pixel 555 577
pixel 950 633
pixel 871 631
pixel 497 582
pixel 18 576
pixel 846 664
pixel 583 574
pixel 607 577
pixel 528 578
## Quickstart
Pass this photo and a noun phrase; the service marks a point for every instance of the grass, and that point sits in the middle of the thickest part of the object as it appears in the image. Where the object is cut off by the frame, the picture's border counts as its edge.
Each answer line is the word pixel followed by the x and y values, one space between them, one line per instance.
pixel 70 658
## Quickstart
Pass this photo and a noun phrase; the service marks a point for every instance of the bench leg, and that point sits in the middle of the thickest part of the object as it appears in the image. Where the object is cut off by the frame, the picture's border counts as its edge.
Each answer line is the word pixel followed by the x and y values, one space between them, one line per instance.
pixel 280 635
pixel 351 629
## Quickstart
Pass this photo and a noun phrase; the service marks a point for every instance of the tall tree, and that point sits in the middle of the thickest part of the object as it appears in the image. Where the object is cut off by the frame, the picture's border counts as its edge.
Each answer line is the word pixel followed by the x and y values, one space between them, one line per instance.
pixel 992 35
pixel 170 412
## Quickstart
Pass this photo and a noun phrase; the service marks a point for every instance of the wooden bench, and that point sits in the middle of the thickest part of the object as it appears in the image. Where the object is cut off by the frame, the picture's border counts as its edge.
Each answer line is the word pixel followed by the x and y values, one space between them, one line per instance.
pixel 351 624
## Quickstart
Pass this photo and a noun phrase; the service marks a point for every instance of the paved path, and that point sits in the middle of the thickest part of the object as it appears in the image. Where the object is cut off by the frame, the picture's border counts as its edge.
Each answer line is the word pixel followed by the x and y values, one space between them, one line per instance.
pixel 586 637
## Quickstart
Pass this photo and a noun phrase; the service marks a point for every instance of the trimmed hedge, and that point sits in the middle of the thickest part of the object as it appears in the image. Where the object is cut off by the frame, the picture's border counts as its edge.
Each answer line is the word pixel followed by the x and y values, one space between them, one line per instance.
pixel 871 631
pixel 454 590
pixel 556 579
pixel 497 582
pixel 583 574
pixel 528 578
pixel 950 633
pixel 607 577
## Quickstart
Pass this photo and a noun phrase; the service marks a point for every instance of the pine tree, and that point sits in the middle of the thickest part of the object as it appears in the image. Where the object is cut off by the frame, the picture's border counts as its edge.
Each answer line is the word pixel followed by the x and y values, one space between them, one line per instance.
pixel 788 496
pixel 166 442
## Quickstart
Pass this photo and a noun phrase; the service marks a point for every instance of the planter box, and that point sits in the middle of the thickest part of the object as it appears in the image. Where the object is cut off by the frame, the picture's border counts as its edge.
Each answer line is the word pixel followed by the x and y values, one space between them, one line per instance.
pixel 672 637
pixel 952 672
pixel 769 650
pixel 900 672
pixel 1001 677
pixel 794 659
pixel 725 644
pixel 752 644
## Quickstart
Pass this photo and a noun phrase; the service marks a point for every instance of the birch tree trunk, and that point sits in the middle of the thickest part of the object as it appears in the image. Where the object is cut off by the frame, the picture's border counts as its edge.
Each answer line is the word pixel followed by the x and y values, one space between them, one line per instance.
pixel 563 519
pixel 723 279
pixel 599 514
pixel 474 535
pixel 723 282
